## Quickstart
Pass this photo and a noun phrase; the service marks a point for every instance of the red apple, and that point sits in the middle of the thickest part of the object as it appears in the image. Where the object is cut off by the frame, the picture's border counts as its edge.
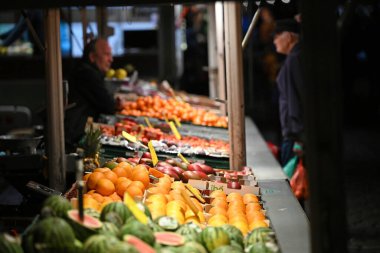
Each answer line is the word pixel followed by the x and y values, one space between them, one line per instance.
pixel 146 155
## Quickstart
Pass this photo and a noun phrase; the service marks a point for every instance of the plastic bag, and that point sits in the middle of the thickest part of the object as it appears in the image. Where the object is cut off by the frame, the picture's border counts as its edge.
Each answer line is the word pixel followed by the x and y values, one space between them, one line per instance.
pixel 299 182
pixel 290 167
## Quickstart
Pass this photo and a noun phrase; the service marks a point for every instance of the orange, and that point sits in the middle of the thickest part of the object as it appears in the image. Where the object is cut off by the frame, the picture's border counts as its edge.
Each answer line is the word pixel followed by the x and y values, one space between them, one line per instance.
pixel 156 190
pixel 115 197
pixel 134 191
pixel 218 217
pixel 139 168
pixel 90 203
pixel 121 187
pixel 238 217
pixel 232 212
pixel 98 197
pixel 255 215
pixel 120 179
pixel 142 176
pixel 127 167
pixel 86 176
pixel 93 180
pixel 250 197
pixel 237 206
pixel 105 187
pixel 252 206
pixel 139 185
pixel 163 186
pixel 120 171
pixel 111 176
pixel 101 170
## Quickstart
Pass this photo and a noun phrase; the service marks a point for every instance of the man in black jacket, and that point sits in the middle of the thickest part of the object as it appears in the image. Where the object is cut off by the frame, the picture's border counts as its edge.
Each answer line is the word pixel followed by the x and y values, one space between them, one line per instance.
pixel 290 85
pixel 87 90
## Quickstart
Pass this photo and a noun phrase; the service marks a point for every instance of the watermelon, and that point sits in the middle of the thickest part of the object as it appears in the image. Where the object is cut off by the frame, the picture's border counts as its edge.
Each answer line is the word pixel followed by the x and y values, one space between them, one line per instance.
pixel 100 244
pixel 58 205
pixel 139 230
pixel 154 226
pixel 227 249
pixel 189 231
pixel 261 234
pixel 114 218
pixel 235 234
pixel 169 238
pixel 214 237
pixel 52 234
pixel 9 244
pixel 167 223
pixel 124 247
pixel 145 209
pixel 118 207
pixel 140 245
pixel 193 247
pixel 109 228
pixel 170 250
pixel 263 247
pixel 92 212
pixel 85 229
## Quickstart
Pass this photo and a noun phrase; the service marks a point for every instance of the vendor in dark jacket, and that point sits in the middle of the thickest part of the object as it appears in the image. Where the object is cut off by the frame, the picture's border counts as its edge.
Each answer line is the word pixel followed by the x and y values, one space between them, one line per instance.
pixel 290 85
pixel 87 90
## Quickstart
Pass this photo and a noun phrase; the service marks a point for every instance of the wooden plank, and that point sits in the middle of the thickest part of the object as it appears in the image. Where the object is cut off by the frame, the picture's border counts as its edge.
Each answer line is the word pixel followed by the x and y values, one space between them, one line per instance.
pixel 323 126
pixel 235 84
pixel 54 102
pixel 83 14
pixel 219 27
pixel 101 21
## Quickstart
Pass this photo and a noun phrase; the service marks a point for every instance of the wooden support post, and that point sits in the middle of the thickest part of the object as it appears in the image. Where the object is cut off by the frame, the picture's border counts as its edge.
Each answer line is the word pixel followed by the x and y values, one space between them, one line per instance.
pixel 219 28
pixel 211 43
pixel 101 21
pixel 235 84
pixel 54 102
pixel 323 126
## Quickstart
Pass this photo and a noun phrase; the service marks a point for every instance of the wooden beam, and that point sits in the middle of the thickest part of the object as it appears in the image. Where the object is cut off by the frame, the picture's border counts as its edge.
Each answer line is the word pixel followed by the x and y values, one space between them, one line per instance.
pixel 219 28
pixel 235 84
pixel 83 14
pixel 212 51
pixel 323 126
pixel 101 21
pixel 54 102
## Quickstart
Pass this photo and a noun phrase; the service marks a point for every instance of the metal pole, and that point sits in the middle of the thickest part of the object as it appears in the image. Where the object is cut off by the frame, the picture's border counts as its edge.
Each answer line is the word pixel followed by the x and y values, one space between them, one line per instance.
pixel 250 28
pixel 235 84
pixel 54 102
pixel 211 43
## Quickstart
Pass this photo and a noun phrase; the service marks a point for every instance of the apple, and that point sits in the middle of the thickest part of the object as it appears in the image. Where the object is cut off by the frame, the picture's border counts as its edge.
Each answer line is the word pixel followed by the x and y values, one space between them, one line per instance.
pixel 207 169
pixel 134 160
pixel 233 184
pixel 171 162
pixel 201 174
pixel 191 175
pixel 172 173
pixel 121 159
pixel 164 164
pixel 194 167
pixel 178 170
pixel 147 161
pixel 147 155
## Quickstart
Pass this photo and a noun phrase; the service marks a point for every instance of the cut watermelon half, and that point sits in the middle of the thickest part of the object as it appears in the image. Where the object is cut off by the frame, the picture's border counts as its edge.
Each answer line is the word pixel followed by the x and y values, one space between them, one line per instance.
pixel 88 221
pixel 169 238
pixel 140 245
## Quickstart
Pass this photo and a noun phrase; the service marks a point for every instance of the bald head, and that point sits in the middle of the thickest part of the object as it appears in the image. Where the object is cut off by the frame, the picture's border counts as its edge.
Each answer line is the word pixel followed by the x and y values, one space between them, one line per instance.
pixel 100 54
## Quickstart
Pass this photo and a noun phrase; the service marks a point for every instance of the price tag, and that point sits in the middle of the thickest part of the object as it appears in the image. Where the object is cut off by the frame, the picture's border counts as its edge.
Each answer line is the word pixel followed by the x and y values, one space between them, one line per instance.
pixel 174 130
pixel 152 153
pixel 131 204
pixel 147 122
pixel 177 121
pixel 129 137
pixel 183 158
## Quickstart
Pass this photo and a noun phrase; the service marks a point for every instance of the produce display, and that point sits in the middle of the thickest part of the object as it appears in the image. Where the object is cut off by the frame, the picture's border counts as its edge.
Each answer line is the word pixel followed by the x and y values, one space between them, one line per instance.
pixel 157 107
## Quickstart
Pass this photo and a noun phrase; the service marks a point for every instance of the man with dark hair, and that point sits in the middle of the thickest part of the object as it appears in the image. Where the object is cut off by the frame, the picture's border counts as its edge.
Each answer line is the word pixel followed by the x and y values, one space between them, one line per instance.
pixel 290 86
pixel 87 90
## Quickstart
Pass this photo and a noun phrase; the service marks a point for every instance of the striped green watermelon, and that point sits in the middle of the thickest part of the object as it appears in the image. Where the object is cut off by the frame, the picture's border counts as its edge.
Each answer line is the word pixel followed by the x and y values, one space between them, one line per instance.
pixel 92 212
pixel 227 249
pixel 53 234
pixel 123 247
pixel 235 234
pixel 189 231
pixel 214 237
pixel 261 234
pixel 193 247
pixel 139 230
pixel 58 205
pixel 9 244
pixel 118 207
pixel 263 247
pixel 114 218
pixel 100 244
pixel 109 228
pixel 83 229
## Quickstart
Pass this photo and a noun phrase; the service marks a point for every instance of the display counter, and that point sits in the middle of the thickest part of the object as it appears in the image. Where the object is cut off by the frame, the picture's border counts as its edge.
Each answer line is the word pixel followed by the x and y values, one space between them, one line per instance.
pixel 287 217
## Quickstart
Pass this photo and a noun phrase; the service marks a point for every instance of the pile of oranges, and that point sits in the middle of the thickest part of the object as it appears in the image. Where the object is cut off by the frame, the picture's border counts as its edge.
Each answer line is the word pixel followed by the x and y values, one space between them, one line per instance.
pixel 157 107
pixel 166 199
pixel 105 185
pixel 241 211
